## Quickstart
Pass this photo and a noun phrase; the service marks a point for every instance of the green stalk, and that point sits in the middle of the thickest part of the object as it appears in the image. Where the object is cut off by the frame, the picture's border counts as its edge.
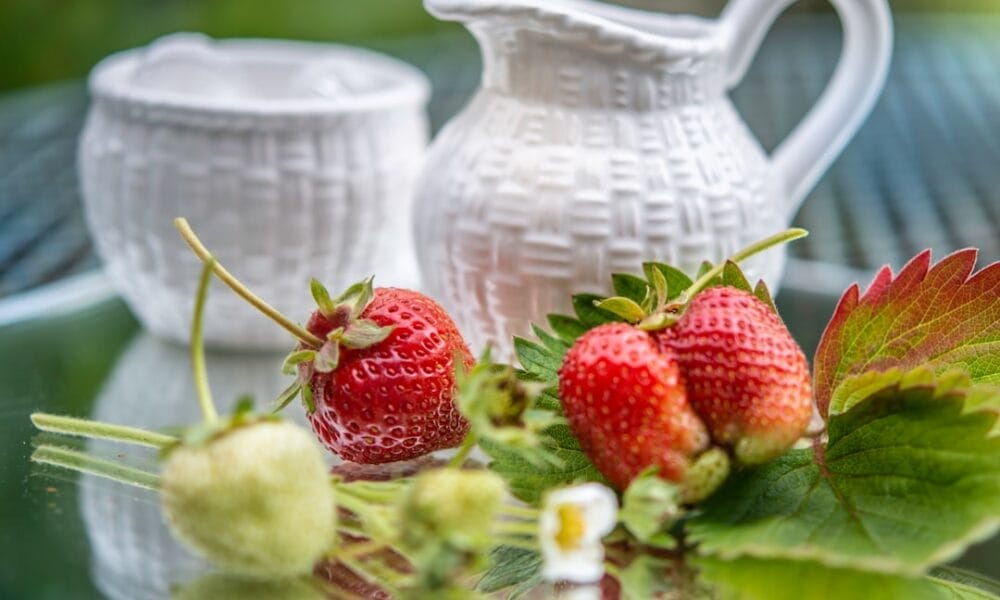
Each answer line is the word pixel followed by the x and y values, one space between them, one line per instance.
pixel 368 494
pixel 524 512
pixel 458 460
pixel 84 463
pixel 198 347
pixel 104 431
pixel 360 506
pixel 518 527
pixel 241 290
pixel 756 248
pixel 383 579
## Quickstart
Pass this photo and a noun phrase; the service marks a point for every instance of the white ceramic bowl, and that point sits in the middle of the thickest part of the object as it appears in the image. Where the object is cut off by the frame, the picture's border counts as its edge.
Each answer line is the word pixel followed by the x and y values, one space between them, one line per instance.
pixel 291 160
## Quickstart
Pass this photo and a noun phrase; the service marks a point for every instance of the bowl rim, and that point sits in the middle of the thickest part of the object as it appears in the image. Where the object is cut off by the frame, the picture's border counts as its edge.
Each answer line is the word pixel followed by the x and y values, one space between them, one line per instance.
pixel 109 81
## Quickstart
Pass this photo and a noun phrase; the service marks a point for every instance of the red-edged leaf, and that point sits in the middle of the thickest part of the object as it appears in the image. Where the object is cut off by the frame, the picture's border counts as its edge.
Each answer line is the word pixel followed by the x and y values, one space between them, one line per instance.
pixel 940 317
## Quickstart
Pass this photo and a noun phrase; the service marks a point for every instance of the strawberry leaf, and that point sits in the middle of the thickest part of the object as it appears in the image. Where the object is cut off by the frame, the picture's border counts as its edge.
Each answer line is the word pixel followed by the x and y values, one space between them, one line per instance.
pixel 589 314
pixel 629 286
pixel 750 578
pixel 511 566
pixel 538 360
pixel 677 280
pixel 939 317
pixel 624 308
pixel 909 477
pixel 528 480
pixel 553 344
pixel 566 327
pixel 989 588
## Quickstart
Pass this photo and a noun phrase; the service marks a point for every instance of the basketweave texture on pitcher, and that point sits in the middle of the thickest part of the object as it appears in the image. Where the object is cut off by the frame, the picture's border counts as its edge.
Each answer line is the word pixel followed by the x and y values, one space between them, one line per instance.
pixel 602 137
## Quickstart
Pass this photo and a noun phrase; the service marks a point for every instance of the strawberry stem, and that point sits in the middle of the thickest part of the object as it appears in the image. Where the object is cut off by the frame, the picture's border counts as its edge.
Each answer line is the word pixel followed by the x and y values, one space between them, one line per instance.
pixel 458 460
pixel 198 347
pixel 104 431
pixel 241 290
pixel 756 248
pixel 84 463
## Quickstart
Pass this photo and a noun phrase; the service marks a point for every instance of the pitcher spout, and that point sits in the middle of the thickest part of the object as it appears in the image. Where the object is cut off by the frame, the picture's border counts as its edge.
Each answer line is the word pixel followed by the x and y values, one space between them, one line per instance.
pixel 587 53
pixel 649 31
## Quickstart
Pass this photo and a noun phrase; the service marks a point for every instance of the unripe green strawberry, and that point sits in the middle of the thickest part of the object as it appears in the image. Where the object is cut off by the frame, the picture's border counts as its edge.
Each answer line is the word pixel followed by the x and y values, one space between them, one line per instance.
pixel 256 500
pixel 454 505
pixel 626 404
pixel 746 377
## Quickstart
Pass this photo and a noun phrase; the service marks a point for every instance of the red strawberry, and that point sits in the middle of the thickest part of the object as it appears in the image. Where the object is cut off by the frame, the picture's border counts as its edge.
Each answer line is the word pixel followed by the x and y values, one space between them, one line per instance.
pixel 393 399
pixel 746 377
pixel 376 367
pixel 626 404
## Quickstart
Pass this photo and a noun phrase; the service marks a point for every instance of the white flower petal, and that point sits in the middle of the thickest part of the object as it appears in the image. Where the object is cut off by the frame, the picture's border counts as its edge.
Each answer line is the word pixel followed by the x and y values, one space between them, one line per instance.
pixel 583 563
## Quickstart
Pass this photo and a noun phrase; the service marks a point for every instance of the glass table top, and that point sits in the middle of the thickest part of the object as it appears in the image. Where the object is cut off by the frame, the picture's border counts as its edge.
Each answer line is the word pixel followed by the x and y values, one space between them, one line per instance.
pixel 69 536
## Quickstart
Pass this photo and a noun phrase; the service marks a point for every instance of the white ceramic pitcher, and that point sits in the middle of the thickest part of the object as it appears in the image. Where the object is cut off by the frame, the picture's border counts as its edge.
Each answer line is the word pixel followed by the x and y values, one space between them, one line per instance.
pixel 602 137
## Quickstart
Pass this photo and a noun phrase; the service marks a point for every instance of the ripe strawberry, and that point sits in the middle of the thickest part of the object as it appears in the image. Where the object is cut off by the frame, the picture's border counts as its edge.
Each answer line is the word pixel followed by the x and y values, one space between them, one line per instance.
pixel 626 404
pixel 746 377
pixel 392 398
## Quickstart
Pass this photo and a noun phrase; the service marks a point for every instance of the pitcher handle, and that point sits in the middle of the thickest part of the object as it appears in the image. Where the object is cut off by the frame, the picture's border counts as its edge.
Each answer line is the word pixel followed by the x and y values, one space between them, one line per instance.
pixel 802 158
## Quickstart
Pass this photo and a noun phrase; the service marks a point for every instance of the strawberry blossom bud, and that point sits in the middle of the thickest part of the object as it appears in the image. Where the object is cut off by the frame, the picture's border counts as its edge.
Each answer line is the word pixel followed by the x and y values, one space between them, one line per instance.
pixel 570 529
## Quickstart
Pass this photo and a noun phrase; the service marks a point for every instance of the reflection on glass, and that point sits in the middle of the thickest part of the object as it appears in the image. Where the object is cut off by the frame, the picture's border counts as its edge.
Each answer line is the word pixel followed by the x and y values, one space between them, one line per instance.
pixel 216 586
pixel 134 555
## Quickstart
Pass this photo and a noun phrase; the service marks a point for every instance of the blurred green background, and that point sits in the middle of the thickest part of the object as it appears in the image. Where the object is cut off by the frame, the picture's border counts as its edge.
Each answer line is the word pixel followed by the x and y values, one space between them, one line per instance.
pixel 45 40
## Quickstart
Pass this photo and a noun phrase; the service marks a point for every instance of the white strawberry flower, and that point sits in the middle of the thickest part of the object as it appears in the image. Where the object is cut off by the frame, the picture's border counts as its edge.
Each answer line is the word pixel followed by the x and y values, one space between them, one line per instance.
pixel 572 523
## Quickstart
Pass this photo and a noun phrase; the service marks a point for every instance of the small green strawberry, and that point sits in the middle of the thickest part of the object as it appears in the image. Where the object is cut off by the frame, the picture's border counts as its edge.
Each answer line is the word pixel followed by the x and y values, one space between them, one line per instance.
pixel 255 500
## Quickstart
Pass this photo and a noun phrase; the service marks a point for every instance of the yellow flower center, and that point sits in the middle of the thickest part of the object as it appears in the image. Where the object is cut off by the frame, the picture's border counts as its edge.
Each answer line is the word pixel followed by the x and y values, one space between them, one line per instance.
pixel 572 526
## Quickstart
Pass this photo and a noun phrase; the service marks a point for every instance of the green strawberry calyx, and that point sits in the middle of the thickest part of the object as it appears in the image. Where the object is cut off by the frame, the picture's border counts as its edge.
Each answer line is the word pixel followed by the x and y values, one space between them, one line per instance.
pixel 350 331
pixel 662 307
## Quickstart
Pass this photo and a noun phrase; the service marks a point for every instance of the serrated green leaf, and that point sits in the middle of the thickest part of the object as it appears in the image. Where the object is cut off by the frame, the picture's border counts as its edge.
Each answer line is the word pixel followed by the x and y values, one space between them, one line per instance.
pixel 908 479
pixel 537 359
pixel 589 314
pixel 733 276
pixel 566 327
pixel 511 566
pixel 629 286
pixel 751 578
pixel 557 346
pixel 940 316
pixel 677 280
pixel 529 481
pixel 622 307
